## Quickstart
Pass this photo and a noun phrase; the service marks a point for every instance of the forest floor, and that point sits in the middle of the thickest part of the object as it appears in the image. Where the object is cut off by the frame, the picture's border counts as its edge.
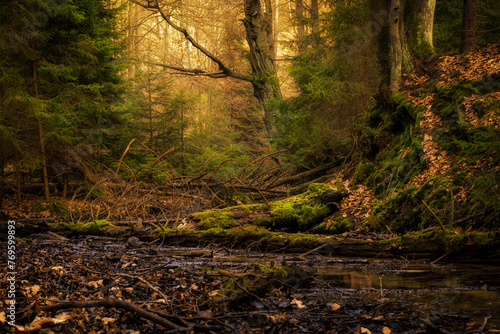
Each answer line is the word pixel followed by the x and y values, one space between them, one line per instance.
pixel 106 285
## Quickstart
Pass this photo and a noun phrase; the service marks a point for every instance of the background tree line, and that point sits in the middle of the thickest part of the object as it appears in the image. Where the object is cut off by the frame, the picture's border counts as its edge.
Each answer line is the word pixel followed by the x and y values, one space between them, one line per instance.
pixel 216 84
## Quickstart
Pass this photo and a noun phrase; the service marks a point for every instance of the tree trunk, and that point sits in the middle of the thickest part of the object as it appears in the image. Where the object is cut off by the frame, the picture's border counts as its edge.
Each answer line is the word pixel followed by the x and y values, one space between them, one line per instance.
pixel 468 38
pixel 45 175
pixel 419 21
pixel 395 16
pixel 299 13
pixel 315 16
pixel 270 30
pixel 265 80
pixel 401 35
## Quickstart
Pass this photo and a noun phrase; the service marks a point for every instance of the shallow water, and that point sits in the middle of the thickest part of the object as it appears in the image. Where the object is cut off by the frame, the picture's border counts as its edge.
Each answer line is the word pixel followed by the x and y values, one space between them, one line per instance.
pixel 471 290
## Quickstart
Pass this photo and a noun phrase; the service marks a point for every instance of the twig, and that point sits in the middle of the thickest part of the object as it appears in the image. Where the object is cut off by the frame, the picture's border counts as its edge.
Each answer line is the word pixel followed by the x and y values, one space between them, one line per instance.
pixel 128 148
pixel 145 282
pixel 439 220
pixel 486 317
pixel 155 162
pixel 302 256
pixel 252 295
pixel 441 257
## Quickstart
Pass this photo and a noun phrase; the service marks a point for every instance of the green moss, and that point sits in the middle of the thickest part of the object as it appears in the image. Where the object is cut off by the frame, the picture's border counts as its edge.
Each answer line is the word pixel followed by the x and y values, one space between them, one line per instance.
pixel 214 219
pixel 94 227
pixel 485 240
pixel 302 211
pixel 168 232
pixel 249 232
pixel 265 222
pixel 306 241
pixel 419 45
pixel 214 232
pixel 294 214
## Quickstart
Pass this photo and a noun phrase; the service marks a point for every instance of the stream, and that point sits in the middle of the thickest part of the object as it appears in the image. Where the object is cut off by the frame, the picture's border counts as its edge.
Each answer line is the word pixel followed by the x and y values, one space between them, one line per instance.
pixel 462 289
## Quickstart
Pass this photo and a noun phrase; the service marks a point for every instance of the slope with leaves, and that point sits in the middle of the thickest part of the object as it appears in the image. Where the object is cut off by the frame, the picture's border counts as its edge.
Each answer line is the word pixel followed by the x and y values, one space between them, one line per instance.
pixel 430 154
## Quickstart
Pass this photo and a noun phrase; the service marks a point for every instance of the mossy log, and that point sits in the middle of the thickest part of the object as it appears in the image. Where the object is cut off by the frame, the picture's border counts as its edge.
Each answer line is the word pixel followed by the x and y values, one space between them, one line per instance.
pixel 297 213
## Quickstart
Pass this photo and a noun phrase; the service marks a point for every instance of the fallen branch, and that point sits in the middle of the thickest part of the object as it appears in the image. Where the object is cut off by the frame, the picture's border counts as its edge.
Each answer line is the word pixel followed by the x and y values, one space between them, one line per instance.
pixel 303 256
pixel 113 303
pixel 302 175
pixel 145 282
pixel 439 220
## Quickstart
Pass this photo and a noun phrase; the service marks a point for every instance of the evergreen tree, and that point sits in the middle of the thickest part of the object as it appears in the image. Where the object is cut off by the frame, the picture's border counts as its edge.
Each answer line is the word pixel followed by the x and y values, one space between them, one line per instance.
pixel 60 81
pixel 332 72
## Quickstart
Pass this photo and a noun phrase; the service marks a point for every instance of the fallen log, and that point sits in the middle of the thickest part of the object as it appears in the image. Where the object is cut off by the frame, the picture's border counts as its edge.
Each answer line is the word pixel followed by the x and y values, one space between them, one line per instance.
pixel 297 213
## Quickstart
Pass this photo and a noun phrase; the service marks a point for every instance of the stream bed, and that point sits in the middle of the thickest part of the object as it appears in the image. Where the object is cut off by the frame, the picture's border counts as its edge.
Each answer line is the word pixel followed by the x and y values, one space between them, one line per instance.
pixel 331 294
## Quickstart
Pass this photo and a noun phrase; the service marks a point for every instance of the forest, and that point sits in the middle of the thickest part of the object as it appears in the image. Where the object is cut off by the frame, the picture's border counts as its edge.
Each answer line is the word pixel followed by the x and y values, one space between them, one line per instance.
pixel 213 166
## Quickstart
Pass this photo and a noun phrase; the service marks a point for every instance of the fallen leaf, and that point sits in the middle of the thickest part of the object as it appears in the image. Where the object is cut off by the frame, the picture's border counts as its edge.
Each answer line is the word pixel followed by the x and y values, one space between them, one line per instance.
pixel 335 307
pixel 299 303
pixel 61 318
pixel 106 320
pixel 386 330
pixel 213 293
pixel 33 290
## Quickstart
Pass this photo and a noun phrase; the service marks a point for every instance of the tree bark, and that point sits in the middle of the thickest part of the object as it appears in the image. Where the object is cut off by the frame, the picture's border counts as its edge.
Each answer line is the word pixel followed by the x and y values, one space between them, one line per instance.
pixel 299 12
pixel 419 21
pixel 401 35
pixel 468 38
pixel 269 16
pixel 395 16
pixel 265 80
pixel 315 16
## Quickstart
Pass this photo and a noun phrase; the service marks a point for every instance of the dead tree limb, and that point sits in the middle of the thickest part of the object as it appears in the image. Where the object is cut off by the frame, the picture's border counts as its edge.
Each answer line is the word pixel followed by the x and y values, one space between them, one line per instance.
pixel 113 303
pixel 302 175
pixel 128 148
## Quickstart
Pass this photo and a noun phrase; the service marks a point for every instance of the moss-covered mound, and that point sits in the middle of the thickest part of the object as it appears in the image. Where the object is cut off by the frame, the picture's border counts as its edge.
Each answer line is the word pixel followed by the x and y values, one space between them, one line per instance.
pixel 446 174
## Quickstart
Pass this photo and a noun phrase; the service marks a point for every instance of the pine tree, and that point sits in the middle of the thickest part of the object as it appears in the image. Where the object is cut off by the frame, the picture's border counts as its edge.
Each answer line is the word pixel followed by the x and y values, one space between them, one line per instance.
pixel 60 83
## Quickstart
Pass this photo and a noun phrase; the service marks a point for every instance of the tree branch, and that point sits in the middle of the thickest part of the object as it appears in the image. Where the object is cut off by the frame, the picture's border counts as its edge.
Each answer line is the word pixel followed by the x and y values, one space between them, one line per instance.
pixel 112 303
pixel 224 70
pixel 192 71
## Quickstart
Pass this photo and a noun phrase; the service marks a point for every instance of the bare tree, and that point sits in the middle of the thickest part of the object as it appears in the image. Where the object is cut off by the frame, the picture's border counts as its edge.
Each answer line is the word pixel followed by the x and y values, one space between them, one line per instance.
pixel 259 35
